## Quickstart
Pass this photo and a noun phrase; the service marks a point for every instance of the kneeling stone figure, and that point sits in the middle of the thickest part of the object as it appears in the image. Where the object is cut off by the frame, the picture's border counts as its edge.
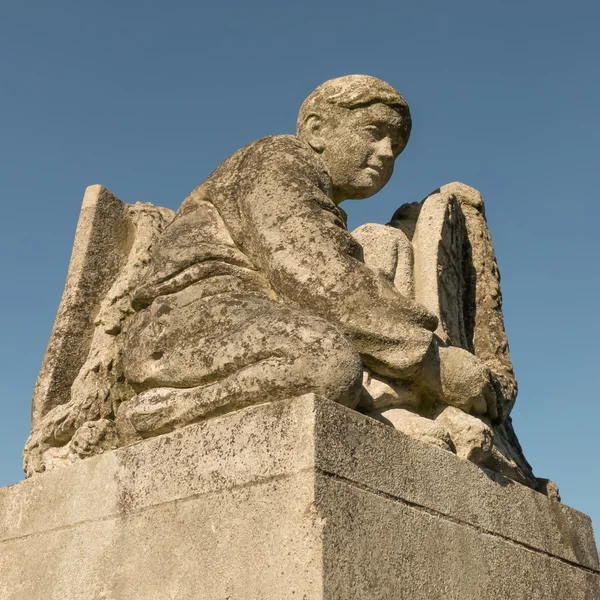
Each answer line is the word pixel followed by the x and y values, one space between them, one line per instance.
pixel 255 291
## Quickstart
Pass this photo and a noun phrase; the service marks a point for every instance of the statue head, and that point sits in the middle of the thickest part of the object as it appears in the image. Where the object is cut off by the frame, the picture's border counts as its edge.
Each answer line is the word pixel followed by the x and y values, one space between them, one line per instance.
pixel 359 125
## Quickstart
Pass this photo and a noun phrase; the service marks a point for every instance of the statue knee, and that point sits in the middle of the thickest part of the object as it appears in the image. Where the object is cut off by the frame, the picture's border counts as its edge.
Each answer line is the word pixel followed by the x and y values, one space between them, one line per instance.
pixel 334 368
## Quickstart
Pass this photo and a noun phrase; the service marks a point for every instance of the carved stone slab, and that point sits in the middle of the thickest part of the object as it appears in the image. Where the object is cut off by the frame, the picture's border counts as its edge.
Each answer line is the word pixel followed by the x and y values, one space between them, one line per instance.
pixel 99 250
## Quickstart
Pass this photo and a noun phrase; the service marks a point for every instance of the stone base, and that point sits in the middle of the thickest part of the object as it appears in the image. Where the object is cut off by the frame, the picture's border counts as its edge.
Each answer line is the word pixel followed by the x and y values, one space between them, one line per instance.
pixel 299 499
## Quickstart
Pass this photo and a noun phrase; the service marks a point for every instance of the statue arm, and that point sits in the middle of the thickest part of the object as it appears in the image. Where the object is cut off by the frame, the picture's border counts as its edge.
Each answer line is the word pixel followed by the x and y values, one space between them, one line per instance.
pixel 301 244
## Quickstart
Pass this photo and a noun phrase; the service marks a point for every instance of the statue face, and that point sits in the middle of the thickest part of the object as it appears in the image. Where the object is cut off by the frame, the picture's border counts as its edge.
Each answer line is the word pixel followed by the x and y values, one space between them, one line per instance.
pixel 359 147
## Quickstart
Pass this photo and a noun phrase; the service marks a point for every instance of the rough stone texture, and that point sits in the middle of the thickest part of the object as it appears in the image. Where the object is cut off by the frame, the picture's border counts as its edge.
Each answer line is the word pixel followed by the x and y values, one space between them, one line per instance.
pixel 378 392
pixel 484 321
pixel 98 253
pixel 81 384
pixel 292 499
pixel 438 242
pixel 255 289
pixel 430 558
pixel 389 252
pixel 455 276
pixel 417 427
pixel 472 438
pixel 219 331
pixel 264 232
pixel 267 224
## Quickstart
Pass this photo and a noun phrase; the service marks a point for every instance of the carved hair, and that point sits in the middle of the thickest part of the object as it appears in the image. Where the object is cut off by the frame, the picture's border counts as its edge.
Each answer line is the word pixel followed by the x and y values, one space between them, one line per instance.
pixel 351 92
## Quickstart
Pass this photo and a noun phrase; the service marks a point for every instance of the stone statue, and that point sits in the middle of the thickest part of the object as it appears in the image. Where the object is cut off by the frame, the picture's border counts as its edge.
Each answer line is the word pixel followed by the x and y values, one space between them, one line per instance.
pixel 254 291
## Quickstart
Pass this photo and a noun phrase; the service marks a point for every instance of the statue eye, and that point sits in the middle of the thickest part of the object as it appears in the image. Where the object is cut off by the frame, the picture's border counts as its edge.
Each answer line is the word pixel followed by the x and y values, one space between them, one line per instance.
pixel 375 131
pixel 397 146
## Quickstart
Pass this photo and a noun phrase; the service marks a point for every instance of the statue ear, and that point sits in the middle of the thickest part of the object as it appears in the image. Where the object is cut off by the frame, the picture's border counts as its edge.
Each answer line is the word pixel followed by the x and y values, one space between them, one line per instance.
pixel 313 132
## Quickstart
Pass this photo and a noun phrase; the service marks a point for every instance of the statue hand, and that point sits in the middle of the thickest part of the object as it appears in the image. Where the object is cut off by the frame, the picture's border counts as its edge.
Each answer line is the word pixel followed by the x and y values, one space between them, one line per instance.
pixel 466 382
pixel 33 461
pixel 55 429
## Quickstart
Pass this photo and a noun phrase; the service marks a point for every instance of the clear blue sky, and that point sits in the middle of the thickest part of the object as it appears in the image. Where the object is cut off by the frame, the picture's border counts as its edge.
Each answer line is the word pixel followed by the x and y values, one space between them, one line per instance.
pixel 147 98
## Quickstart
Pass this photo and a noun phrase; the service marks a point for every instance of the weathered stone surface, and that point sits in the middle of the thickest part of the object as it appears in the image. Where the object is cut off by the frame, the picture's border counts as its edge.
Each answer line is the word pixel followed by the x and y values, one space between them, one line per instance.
pixel 379 547
pixel 255 289
pixel 417 427
pixel 448 260
pixel 389 252
pixel 548 488
pixel 259 250
pixel 484 321
pixel 438 246
pixel 439 252
pixel 237 335
pixel 446 282
pixel 291 499
pixel 378 392
pixel 507 458
pixel 80 422
pixel 472 438
pixel 457 278
pixel 203 547
pixel 378 457
pixel 98 253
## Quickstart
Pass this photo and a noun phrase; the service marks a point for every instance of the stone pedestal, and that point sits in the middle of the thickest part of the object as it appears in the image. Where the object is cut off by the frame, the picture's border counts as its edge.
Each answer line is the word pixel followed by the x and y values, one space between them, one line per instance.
pixel 299 499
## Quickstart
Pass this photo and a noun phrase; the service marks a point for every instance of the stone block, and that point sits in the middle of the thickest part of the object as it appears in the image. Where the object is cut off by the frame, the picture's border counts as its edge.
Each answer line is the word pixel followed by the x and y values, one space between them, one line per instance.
pixel 293 499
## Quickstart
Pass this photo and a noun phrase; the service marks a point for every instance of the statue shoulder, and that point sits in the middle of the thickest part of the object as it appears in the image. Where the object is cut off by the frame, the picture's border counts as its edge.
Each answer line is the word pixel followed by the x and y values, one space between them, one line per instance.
pixel 285 153
pixel 281 157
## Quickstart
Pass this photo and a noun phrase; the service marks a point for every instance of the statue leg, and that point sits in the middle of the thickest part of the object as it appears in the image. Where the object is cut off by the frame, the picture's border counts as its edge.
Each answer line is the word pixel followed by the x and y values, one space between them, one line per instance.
pixel 189 359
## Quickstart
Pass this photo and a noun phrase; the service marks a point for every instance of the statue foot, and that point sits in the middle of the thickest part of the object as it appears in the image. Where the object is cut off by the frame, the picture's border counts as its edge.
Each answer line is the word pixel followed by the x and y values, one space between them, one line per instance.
pixel 377 393
pixel 94 437
pixel 472 437
pixel 150 413
pixel 475 440
pixel 415 426
pixel 161 410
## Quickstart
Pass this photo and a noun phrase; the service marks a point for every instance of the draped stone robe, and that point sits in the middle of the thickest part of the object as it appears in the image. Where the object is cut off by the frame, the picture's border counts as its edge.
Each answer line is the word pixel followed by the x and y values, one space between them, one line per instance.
pixel 256 262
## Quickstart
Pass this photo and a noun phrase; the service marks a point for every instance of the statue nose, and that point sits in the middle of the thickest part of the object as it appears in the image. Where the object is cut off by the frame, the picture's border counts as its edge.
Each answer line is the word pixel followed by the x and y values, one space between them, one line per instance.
pixel 384 149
